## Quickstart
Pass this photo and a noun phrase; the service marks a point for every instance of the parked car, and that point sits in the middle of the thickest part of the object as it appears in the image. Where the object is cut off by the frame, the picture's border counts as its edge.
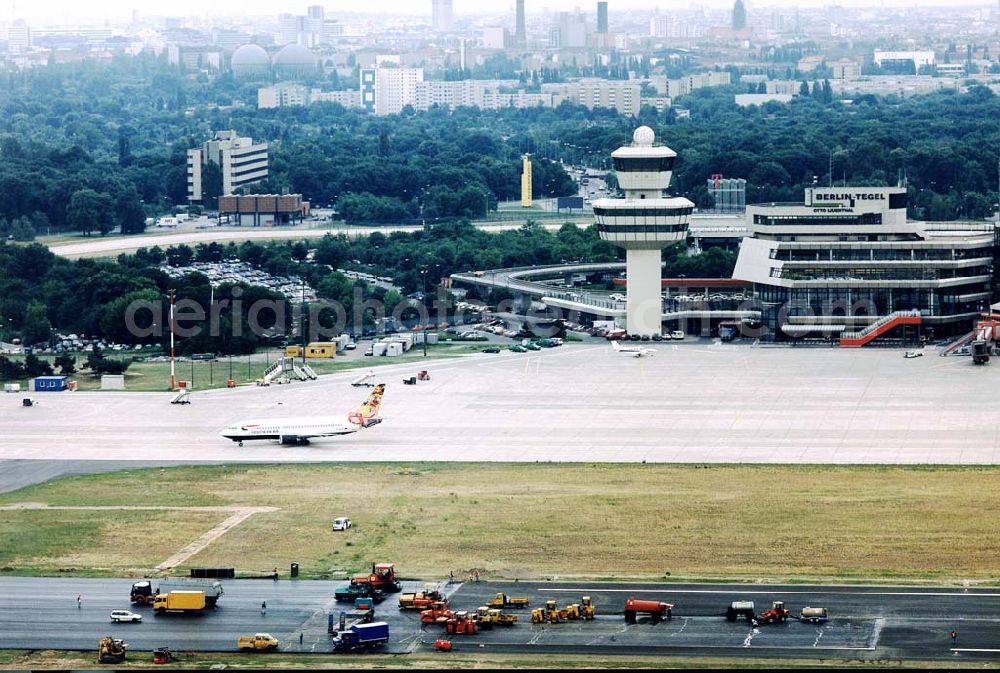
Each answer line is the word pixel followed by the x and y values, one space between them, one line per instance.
pixel 492 349
pixel 518 348
pixel 913 354
pixel 350 346
pixel 677 334
pixel 118 616
pixel 532 346
pixel 341 523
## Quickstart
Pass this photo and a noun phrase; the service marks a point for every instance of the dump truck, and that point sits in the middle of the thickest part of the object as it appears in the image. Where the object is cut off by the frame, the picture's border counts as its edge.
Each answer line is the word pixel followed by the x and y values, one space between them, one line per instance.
pixel 502 600
pixel 739 609
pixel 212 588
pixel 421 600
pixel 259 641
pixel 487 617
pixel 657 610
pixel 777 614
pixel 179 601
pixel 814 615
pixel 111 650
pixel 361 637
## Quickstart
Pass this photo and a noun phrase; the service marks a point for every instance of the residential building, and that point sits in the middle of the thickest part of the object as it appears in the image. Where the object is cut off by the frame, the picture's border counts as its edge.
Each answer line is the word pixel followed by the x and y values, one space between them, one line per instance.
pixel 845 68
pixel 386 91
pixel 623 96
pixel 241 161
pixel 495 38
pixel 18 37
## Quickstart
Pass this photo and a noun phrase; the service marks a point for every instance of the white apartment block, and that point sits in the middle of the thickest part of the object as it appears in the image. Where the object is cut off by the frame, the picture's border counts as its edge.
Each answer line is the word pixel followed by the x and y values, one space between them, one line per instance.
pixel 387 91
pixel 290 94
pixel 18 37
pixel 623 96
pixel 242 162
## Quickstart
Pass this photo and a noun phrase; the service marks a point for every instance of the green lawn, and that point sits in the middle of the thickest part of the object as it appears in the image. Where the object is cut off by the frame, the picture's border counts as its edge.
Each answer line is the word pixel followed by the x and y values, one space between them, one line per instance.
pixel 535 521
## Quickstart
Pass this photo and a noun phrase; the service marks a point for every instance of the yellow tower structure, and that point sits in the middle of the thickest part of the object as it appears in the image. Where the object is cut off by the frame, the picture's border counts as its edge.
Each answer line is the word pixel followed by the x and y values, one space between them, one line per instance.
pixel 526 182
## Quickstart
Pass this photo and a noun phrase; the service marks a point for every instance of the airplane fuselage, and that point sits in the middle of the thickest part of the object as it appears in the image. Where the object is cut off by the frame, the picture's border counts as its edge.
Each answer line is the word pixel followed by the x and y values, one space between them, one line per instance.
pixel 290 430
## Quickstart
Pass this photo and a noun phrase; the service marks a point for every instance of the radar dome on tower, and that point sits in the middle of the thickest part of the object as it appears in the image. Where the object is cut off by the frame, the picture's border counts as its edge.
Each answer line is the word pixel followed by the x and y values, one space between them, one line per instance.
pixel 643 136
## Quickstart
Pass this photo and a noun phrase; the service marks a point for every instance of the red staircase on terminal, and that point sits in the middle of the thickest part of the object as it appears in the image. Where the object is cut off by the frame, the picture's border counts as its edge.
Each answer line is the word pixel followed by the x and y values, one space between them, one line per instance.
pixel 878 328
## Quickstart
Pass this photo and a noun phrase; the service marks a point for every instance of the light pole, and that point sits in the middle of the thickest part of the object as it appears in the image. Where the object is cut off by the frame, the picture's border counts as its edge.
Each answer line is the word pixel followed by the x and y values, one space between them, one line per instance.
pixel 423 291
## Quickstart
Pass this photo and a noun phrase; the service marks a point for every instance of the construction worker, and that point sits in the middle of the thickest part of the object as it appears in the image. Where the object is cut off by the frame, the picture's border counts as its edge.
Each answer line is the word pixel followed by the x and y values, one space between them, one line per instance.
pixel 78 599
pixel 263 608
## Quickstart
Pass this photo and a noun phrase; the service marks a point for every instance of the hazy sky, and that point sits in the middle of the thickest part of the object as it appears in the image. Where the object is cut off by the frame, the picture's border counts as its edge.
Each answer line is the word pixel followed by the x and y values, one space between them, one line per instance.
pixel 61 11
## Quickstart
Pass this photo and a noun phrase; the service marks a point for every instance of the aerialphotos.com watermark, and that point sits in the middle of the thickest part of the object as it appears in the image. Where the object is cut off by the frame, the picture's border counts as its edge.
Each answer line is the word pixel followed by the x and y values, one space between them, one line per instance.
pixel 323 320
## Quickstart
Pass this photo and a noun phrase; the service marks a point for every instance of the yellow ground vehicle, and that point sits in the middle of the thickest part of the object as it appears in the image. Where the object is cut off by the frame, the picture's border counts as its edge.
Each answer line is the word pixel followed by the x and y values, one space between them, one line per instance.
pixel 553 614
pixel 502 600
pixel 550 613
pixel 258 641
pixel 488 617
pixel 180 601
pixel 111 650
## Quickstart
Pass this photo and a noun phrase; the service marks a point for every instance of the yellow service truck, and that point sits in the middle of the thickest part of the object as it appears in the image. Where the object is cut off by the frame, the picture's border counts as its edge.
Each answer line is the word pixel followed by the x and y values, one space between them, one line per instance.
pixel 180 601
pixel 258 641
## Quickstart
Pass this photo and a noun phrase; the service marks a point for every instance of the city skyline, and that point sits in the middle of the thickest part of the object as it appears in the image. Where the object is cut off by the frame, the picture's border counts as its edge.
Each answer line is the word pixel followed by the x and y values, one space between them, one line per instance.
pixel 67 11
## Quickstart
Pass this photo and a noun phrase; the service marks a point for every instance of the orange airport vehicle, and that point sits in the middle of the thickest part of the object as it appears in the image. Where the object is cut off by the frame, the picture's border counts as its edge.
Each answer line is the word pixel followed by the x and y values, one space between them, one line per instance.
pixel 656 609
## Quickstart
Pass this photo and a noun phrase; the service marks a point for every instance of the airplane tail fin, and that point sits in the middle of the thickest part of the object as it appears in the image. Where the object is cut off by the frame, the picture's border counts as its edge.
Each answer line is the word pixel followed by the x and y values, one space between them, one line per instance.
pixel 367 413
pixel 617 346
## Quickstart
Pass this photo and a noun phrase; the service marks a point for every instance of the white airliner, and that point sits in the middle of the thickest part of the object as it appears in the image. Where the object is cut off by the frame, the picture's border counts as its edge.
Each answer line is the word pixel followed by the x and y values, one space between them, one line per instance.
pixel 298 431
pixel 637 351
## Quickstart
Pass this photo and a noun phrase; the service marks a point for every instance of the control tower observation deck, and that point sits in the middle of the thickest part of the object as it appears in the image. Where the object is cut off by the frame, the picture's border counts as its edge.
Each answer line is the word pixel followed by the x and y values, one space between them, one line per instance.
pixel 644 222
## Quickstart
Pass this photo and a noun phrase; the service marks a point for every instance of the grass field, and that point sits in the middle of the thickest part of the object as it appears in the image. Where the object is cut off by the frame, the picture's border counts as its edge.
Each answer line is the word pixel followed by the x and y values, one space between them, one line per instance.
pixel 531 521
pixel 50 659
pixel 155 376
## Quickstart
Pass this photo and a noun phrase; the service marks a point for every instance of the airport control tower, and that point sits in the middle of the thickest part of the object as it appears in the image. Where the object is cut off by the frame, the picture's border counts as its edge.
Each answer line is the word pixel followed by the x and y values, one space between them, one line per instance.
pixel 644 222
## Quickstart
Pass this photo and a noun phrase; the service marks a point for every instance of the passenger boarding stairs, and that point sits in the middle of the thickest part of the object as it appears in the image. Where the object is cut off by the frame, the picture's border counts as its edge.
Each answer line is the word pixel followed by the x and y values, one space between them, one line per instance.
pixel 272 372
pixel 963 340
pixel 878 328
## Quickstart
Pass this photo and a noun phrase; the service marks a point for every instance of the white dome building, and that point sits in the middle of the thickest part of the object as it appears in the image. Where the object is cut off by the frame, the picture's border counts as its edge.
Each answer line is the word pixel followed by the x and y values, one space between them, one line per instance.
pixel 294 61
pixel 251 62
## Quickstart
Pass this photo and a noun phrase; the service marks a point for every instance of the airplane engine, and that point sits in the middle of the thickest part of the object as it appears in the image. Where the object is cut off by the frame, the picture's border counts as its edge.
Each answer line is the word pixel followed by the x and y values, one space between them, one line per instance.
pixel 294 440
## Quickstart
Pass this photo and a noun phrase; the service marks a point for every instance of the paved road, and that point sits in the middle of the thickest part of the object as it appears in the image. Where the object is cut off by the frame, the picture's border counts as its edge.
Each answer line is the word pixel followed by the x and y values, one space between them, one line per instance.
pixel 875 623
pixel 118 244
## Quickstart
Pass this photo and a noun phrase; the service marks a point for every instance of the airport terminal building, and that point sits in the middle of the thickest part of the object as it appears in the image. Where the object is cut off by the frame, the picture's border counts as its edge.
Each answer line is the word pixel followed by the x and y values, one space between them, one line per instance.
pixel 847 259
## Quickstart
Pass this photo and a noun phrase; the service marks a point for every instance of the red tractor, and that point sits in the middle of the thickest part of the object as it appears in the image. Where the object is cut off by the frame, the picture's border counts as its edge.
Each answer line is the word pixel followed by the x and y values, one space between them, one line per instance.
pixel 776 615
pixel 462 623
pixel 383 577
pixel 438 613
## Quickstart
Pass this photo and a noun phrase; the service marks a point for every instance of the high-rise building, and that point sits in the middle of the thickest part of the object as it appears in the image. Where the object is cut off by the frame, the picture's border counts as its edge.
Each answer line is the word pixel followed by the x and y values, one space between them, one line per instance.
pixel 643 223
pixel 570 31
pixel 520 32
pixel 387 91
pixel 442 17
pixel 739 15
pixel 602 17
pixel 496 38
pixel 314 27
pixel 241 161
pixel 18 37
